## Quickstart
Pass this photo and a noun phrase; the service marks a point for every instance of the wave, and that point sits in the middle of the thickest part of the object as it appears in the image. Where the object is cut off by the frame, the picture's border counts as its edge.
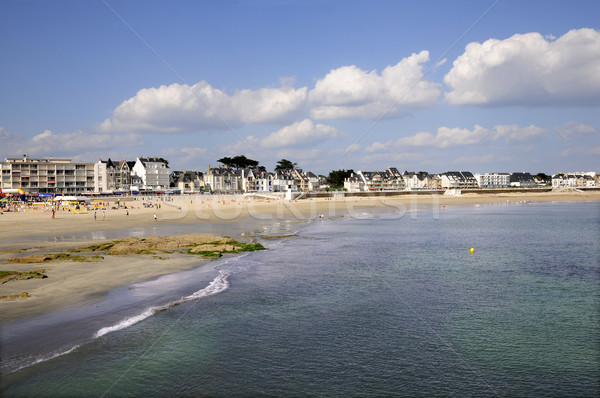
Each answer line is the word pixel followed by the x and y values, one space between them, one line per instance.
pixel 217 285
pixel 18 364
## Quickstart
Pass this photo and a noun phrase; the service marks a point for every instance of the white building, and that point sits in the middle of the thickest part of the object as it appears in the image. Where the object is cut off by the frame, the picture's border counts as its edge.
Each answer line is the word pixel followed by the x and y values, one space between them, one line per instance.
pixel 154 173
pixel 493 180
pixel 285 180
pixel 458 180
pixel 354 183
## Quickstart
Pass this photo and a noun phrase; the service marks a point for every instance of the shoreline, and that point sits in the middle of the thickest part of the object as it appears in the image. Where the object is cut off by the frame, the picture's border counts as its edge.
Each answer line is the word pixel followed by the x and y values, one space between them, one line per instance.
pixel 72 284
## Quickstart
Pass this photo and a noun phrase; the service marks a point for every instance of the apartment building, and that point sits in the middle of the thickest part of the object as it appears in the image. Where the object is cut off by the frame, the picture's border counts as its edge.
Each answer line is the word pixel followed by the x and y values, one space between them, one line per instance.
pixel 47 175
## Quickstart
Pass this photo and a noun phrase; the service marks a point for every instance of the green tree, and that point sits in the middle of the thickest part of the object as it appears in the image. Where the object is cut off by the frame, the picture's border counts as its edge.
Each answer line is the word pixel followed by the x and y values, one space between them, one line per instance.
pixel 239 162
pixel 285 164
pixel 543 177
pixel 336 177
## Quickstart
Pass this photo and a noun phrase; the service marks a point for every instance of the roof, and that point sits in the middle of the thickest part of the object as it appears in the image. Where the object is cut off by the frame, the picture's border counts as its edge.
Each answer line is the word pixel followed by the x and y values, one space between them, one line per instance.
pixel 518 177
pixel 154 160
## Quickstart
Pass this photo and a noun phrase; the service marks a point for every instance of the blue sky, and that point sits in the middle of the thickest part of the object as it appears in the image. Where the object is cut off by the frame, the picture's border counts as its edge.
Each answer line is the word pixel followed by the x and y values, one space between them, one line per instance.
pixel 427 85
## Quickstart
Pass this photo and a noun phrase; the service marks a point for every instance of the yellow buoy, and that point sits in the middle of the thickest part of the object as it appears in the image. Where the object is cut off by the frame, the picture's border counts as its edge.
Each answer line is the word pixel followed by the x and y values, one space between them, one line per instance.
pixel 472 250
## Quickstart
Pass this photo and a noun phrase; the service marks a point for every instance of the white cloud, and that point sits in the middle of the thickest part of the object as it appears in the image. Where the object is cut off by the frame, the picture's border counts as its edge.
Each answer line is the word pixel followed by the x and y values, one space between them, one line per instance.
pixel 180 107
pixel 73 144
pixel 528 69
pixel 345 92
pixel 299 133
pixel 350 92
pixel 513 133
pixel 572 129
pixel 448 137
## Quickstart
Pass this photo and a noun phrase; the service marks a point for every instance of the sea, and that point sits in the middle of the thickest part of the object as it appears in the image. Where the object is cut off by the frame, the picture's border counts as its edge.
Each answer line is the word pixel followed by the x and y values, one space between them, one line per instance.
pixel 369 304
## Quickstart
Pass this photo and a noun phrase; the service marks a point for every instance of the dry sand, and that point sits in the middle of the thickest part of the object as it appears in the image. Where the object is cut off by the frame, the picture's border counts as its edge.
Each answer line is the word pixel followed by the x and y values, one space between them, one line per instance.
pixel 72 284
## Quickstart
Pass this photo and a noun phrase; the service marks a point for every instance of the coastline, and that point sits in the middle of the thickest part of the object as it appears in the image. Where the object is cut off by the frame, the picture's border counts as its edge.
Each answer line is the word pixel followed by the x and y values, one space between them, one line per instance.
pixel 73 284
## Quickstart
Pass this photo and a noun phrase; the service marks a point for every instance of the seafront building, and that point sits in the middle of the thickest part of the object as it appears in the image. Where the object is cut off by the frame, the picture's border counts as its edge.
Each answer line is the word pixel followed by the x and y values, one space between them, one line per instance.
pixel 47 175
pixel 111 177
pixel 524 180
pixel 187 181
pixel 493 180
pixel 223 180
pixel 588 179
pixel 458 180
pixel 153 173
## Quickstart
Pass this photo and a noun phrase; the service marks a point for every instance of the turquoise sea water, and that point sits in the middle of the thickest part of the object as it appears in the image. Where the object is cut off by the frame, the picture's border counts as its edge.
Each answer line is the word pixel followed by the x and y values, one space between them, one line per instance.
pixel 387 305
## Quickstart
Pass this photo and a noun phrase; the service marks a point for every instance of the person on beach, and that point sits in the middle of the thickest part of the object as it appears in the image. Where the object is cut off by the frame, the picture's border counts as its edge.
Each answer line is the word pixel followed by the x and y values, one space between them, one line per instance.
pixel 53 212
pixel 94 216
pixel 103 216
pixel 155 219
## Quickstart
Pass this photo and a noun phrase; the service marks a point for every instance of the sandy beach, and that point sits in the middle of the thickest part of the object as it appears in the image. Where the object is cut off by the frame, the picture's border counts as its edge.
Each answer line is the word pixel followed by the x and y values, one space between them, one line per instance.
pixel 76 283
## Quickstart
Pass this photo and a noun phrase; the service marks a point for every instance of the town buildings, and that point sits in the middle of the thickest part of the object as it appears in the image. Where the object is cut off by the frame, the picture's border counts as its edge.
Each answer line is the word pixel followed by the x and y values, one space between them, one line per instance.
pixel 152 174
pixel 576 180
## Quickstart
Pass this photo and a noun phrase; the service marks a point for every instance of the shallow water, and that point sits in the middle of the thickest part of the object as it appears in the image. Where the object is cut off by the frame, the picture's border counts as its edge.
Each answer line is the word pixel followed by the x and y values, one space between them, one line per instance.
pixel 368 307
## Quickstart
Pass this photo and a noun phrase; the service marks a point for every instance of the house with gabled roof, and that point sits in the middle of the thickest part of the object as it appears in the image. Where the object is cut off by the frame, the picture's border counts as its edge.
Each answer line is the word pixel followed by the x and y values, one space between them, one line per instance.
pixel 420 180
pixel 111 176
pixel 522 180
pixel 458 180
pixel 223 180
pixel 308 181
pixel 187 181
pixel 372 180
pixel 153 172
pixel 285 180
pixel 354 183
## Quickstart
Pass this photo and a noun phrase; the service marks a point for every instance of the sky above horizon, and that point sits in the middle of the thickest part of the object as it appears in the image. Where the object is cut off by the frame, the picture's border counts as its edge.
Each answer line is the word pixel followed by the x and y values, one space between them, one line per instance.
pixel 482 86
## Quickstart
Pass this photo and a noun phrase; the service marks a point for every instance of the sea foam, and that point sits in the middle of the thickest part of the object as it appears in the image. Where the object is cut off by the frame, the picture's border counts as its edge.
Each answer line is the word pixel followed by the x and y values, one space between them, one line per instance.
pixel 217 285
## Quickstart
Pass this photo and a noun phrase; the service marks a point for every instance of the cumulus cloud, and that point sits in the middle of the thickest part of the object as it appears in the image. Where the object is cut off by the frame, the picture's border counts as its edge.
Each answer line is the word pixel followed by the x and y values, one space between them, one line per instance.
pixel 573 129
pixel 448 137
pixel 345 92
pixel 298 134
pixel 350 92
pixel 180 107
pixel 528 69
